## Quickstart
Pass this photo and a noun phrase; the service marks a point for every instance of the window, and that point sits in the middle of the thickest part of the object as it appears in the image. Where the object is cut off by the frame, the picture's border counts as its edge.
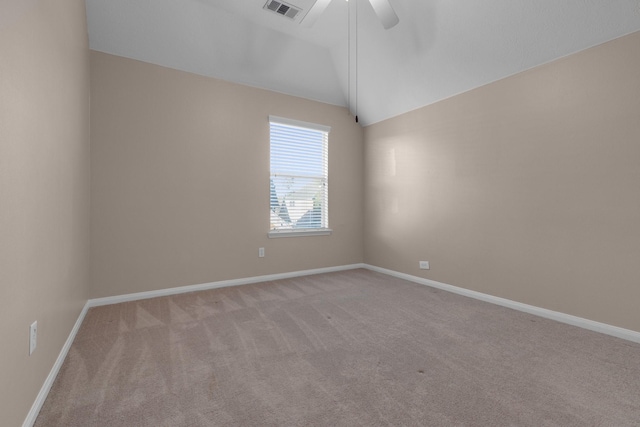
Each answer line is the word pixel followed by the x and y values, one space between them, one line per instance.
pixel 298 184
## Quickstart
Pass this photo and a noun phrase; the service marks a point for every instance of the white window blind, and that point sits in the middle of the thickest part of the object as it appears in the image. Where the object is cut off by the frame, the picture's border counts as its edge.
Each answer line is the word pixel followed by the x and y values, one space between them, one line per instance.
pixel 299 181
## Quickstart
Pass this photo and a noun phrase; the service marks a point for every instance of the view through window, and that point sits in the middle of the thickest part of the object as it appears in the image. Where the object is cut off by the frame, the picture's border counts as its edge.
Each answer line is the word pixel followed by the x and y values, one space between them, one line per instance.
pixel 299 181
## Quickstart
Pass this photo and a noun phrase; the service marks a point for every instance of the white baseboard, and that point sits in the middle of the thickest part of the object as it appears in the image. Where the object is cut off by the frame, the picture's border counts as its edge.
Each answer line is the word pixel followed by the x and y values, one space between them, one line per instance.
pixel 626 334
pixel 215 285
pixel 44 390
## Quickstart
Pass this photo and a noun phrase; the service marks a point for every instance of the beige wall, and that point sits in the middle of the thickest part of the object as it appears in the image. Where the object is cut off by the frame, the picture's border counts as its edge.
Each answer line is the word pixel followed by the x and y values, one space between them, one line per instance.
pixel 44 190
pixel 527 188
pixel 180 180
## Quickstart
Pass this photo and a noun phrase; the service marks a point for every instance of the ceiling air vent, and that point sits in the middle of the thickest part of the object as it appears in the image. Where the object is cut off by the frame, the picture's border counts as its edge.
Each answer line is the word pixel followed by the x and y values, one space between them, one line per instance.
pixel 282 8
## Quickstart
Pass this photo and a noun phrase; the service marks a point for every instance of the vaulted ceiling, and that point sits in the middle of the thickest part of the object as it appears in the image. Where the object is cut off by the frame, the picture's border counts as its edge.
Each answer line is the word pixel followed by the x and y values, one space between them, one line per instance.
pixel 440 48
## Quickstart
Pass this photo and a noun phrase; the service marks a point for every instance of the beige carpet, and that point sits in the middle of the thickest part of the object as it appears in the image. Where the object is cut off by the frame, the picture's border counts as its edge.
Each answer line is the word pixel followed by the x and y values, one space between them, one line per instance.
pixel 353 348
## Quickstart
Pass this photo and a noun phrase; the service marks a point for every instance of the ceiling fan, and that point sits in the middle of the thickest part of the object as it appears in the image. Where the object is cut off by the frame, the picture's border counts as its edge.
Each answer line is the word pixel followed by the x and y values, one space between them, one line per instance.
pixel 387 17
pixel 383 9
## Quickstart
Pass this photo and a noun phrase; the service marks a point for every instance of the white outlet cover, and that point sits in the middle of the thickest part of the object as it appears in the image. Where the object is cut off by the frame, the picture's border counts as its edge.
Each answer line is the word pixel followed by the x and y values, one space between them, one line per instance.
pixel 424 265
pixel 33 337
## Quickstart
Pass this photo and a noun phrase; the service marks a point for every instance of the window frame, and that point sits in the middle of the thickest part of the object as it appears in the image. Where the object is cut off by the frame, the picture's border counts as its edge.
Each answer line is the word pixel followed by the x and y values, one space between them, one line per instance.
pixel 278 233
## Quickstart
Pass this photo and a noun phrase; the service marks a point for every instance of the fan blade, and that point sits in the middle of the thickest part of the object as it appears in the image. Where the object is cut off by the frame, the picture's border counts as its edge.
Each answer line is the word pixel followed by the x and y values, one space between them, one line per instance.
pixel 385 13
pixel 316 10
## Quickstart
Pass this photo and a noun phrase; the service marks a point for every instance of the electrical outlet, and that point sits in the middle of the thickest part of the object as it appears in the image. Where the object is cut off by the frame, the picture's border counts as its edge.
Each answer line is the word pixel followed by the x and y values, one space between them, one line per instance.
pixel 261 252
pixel 33 337
pixel 424 265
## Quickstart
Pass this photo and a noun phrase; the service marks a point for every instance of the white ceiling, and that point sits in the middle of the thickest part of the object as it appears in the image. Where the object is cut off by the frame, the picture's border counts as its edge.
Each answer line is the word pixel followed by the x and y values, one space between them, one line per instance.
pixel 440 47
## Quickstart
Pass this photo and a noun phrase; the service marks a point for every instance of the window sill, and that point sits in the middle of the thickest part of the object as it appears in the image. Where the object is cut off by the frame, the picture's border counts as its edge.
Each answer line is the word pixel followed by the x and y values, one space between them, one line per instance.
pixel 300 233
